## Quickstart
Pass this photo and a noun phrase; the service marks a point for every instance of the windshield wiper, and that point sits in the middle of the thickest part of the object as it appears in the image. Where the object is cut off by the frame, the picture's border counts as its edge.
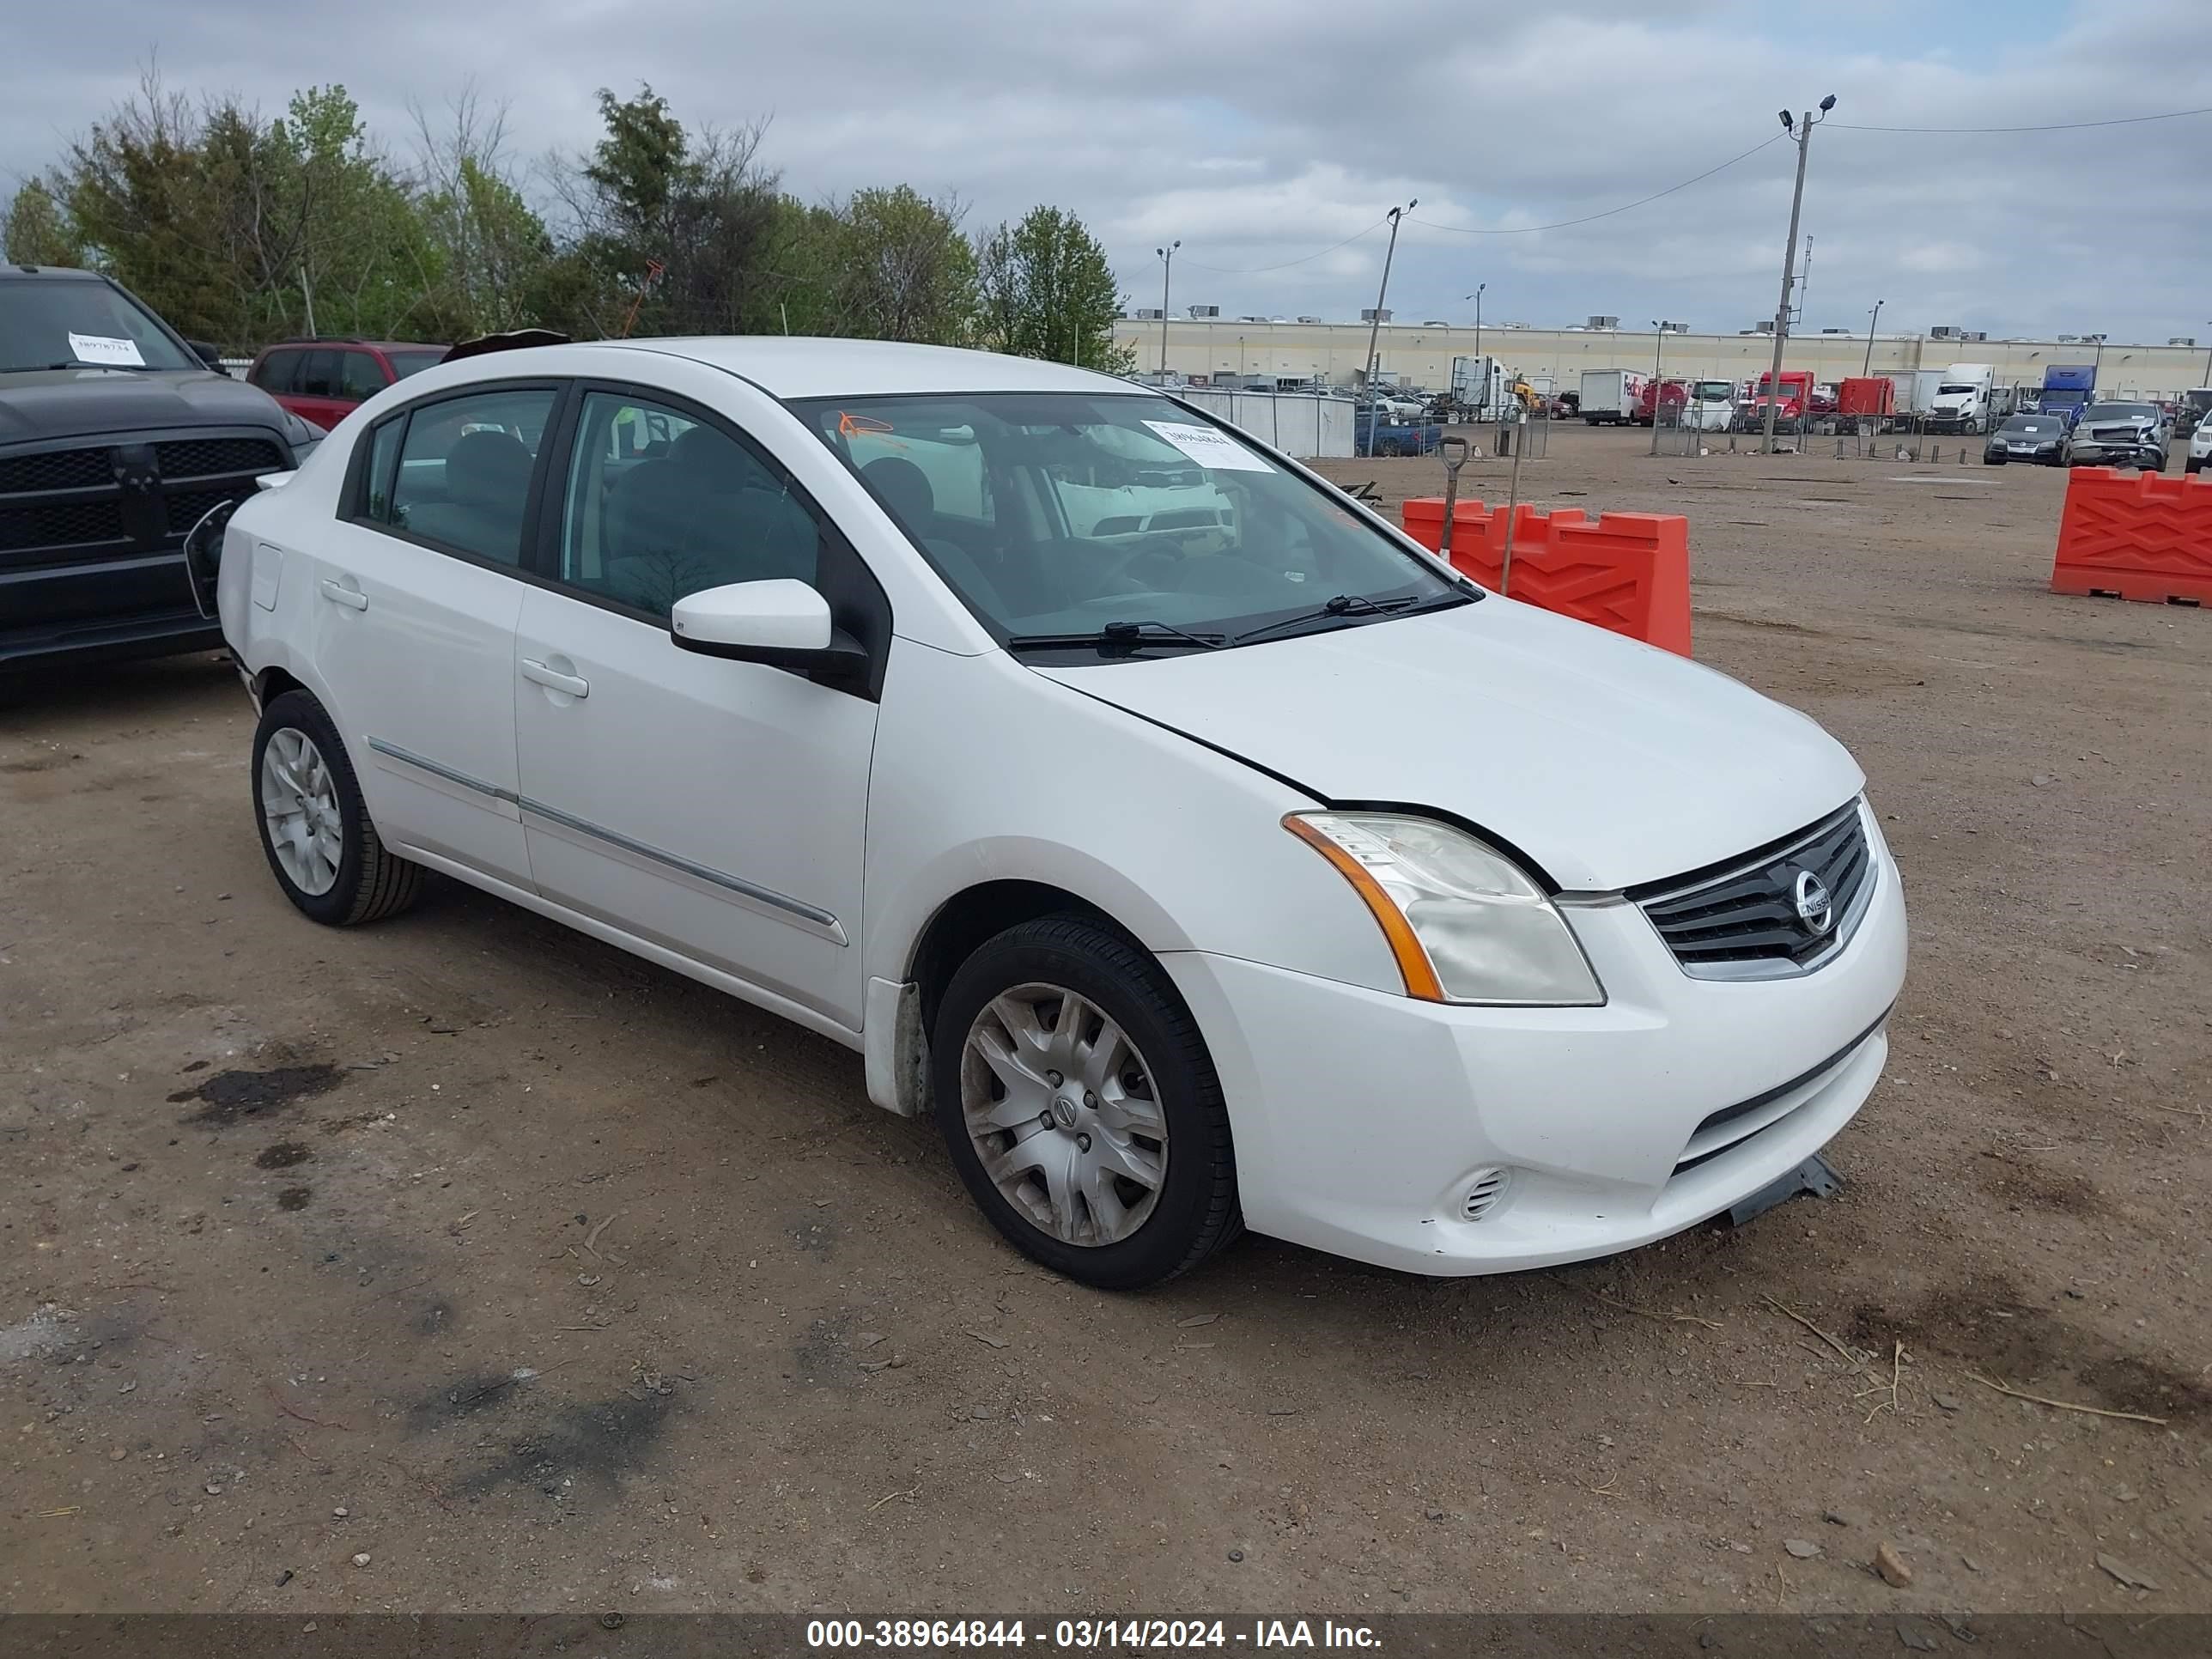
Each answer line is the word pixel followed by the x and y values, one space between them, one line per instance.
pixel 1116 638
pixel 1355 604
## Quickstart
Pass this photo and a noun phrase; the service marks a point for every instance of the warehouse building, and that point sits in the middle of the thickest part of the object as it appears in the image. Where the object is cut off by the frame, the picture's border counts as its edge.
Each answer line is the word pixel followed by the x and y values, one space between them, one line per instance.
pixel 1214 349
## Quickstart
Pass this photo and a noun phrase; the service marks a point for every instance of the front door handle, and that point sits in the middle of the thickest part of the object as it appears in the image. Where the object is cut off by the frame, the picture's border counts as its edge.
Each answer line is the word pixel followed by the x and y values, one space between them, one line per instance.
pixel 538 674
pixel 339 593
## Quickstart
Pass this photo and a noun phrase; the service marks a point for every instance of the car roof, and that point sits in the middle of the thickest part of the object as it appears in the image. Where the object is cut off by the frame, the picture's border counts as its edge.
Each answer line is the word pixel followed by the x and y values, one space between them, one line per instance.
pixel 19 271
pixel 791 366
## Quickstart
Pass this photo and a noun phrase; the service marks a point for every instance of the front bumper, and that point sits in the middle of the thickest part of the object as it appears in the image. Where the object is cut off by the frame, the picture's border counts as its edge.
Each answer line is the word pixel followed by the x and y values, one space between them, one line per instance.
pixel 1363 1121
pixel 2111 455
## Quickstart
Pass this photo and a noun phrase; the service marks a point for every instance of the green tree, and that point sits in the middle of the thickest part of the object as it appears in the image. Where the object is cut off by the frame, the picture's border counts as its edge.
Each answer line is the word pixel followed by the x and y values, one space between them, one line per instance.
pixel 1046 290
pixel 904 271
pixel 38 231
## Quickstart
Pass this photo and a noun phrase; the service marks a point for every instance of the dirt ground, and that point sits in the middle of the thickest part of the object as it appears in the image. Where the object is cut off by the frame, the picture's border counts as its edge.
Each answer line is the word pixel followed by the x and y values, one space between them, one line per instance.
pixel 463 1263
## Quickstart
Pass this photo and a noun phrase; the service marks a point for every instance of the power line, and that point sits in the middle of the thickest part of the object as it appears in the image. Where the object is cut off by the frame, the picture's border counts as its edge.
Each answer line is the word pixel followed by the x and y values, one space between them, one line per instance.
pixel 1253 270
pixel 1524 230
pixel 2057 126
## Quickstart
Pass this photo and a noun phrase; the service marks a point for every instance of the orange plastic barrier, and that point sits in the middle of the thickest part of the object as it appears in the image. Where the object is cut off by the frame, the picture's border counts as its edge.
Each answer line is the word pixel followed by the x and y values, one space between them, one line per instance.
pixel 1629 572
pixel 2135 536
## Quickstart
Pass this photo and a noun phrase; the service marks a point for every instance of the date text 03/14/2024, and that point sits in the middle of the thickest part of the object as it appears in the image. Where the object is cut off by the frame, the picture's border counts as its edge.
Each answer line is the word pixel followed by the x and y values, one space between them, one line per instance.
pixel 1084 1634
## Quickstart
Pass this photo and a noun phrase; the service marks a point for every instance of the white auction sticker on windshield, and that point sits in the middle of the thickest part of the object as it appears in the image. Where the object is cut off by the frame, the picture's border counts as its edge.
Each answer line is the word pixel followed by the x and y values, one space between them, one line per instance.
pixel 105 350
pixel 1210 446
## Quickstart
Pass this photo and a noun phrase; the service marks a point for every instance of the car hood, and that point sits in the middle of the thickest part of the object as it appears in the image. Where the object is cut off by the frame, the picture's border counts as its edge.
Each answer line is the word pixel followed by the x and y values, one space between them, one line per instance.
pixel 1606 762
pixel 76 403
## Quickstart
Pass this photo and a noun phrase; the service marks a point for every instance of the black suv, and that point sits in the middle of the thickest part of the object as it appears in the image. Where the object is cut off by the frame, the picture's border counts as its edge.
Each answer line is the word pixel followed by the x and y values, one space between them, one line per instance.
pixel 116 436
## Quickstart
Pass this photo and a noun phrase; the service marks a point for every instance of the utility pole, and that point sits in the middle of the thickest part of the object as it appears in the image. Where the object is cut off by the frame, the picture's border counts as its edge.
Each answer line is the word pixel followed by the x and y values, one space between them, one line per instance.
pixel 1167 275
pixel 1803 129
pixel 2095 363
pixel 1871 321
pixel 1477 297
pixel 1659 328
pixel 1375 326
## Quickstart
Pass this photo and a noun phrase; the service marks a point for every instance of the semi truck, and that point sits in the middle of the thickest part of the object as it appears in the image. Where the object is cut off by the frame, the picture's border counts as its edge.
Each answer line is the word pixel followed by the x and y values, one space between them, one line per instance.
pixel 1712 406
pixel 1964 399
pixel 1609 396
pixel 1478 388
pixel 1669 395
pixel 1792 401
pixel 2067 389
pixel 1867 397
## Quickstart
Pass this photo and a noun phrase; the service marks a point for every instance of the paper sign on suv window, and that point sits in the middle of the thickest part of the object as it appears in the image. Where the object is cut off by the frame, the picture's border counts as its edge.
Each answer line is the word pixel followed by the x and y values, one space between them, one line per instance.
pixel 105 350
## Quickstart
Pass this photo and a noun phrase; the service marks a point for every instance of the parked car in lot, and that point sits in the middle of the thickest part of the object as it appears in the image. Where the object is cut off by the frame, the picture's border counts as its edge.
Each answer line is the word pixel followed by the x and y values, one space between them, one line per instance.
pixel 2200 447
pixel 115 435
pixel 2119 434
pixel 324 380
pixel 2040 438
pixel 1258 872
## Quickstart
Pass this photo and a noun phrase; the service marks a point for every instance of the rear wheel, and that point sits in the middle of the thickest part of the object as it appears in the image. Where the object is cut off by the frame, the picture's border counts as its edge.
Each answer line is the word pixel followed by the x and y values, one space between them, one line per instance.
pixel 1079 1105
pixel 315 828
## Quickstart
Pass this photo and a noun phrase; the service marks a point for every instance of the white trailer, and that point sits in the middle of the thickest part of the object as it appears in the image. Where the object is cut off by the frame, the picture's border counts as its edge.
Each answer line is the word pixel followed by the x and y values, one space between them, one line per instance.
pixel 1610 396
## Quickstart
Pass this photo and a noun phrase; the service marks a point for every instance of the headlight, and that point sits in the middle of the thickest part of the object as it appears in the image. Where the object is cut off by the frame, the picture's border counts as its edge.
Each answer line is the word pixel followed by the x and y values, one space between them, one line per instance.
pixel 1465 924
pixel 301 436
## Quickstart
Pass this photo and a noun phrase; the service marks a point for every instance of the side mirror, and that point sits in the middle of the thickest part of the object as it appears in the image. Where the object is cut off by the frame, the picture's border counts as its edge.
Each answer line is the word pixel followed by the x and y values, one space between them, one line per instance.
pixel 782 624
pixel 207 352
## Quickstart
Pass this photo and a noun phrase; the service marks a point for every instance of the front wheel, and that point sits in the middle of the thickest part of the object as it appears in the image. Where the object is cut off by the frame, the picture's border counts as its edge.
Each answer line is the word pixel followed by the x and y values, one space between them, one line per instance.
pixel 315 828
pixel 2194 464
pixel 1993 460
pixel 1080 1107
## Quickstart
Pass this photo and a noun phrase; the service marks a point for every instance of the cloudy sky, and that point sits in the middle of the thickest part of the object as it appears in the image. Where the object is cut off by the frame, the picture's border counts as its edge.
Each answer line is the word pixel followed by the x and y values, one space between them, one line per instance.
pixel 1260 134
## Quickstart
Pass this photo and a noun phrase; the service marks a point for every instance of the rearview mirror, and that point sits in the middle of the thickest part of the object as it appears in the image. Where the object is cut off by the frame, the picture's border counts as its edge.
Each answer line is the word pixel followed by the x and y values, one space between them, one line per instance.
pixel 783 623
pixel 207 352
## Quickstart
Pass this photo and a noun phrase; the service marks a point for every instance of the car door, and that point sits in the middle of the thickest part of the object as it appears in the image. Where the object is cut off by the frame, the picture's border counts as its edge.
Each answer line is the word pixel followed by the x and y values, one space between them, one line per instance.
pixel 716 808
pixel 415 594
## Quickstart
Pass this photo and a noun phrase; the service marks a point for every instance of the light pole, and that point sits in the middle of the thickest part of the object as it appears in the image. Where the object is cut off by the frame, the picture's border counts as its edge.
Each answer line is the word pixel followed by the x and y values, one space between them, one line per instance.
pixel 2208 361
pixel 1871 321
pixel 1802 127
pixel 1659 328
pixel 1167 273
pixel 1240 359
pixel 1375 326
pixel 1484 403
pixel 2095 363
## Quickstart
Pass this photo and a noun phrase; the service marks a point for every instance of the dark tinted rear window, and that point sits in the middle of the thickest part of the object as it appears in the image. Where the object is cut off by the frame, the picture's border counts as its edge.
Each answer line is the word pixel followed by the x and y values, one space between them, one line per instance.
pixel 404 363
pixel 277 371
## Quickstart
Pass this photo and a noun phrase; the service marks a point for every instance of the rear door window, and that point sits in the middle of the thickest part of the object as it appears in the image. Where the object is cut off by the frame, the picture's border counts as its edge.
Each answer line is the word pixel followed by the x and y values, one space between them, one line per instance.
pixel 466 465
pixel 277 371
pixel 360 376
pixel 319 376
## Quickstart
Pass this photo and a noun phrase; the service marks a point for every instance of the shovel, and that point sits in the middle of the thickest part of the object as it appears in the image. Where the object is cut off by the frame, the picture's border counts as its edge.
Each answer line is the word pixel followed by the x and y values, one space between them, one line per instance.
pixel 1453 451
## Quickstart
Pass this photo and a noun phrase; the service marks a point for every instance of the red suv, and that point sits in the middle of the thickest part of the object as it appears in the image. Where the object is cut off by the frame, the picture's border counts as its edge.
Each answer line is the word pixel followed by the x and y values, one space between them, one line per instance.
pixel 323 380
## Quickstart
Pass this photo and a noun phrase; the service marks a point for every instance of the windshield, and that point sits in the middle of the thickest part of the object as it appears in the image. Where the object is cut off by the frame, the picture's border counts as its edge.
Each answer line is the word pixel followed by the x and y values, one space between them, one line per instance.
pixel 2021 425
pixel 1714 391
pixel 1056 514
pixel 1957 388
pixel 2121 412
pixel 59 322
pixel 404 363
pixel 2201 398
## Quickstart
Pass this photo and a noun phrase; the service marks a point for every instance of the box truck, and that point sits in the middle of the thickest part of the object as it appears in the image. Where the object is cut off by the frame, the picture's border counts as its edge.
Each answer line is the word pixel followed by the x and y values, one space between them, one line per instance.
pixel 1610 396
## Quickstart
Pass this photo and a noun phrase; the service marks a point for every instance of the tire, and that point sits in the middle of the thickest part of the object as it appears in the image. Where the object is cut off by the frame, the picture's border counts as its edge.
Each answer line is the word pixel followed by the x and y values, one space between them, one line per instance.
pixel 2194 464
pixel 1994 460
pixel 1009 998
pixel 369 881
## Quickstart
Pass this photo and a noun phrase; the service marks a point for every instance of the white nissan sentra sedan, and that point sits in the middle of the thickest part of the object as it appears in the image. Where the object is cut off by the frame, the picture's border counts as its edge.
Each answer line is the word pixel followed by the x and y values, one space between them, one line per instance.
pixel 1199 850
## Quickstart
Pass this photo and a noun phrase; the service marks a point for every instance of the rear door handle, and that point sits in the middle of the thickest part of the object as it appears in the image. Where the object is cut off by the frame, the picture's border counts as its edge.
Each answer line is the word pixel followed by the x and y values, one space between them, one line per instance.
pixel 538 674
pixel 339 593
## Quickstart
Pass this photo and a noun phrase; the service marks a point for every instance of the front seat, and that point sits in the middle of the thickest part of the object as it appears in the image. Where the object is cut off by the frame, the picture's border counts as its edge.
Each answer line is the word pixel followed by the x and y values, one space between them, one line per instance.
pixel 904 489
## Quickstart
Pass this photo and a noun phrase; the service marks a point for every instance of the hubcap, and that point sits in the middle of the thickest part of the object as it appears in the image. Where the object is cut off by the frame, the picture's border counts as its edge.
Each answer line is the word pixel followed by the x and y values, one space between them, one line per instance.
pixel 1061 1110
pixel 300 810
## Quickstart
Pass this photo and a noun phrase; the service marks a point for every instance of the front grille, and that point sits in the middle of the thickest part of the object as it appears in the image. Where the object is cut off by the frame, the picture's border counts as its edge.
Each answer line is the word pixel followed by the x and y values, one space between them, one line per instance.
pixel 98 498
pixel 61 523
pixel 188 507
pixel 201 458
pixel 58 469
pixel 1741 921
